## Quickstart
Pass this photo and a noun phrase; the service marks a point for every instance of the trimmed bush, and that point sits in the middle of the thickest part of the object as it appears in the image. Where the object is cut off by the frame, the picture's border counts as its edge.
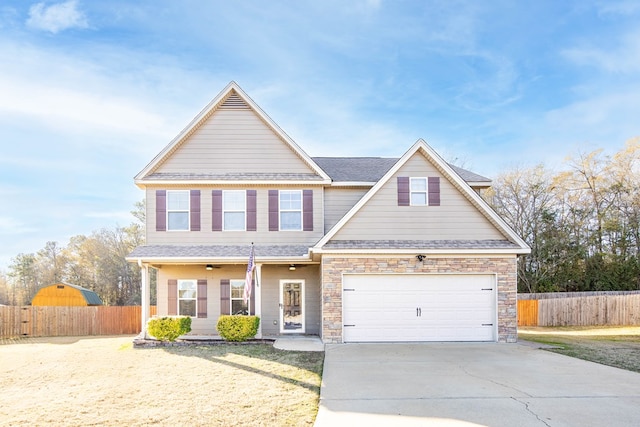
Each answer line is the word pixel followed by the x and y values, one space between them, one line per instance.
pixel 238 328
pixel 169 328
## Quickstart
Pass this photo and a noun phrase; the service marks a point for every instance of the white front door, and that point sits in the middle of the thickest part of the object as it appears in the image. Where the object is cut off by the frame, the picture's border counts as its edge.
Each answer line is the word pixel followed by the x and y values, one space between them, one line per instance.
pixel 292 306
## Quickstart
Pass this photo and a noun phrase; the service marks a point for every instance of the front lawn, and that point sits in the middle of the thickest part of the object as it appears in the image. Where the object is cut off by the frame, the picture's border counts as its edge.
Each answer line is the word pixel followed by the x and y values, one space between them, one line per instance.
pixel 104 381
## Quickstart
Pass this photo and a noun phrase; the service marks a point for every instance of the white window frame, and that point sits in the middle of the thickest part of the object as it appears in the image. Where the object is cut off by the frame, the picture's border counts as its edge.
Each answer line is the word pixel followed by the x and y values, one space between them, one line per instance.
pixel 240 284
pixel 425 191
pixel 225 210
pixel 281 211
pixel 194 299
pixel 188 210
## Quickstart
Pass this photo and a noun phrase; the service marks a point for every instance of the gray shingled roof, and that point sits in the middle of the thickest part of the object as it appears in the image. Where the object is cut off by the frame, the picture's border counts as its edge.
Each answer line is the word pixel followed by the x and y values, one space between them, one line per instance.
pixel 355 169
pixel 420 244
pixel 371 169
pixel 217 251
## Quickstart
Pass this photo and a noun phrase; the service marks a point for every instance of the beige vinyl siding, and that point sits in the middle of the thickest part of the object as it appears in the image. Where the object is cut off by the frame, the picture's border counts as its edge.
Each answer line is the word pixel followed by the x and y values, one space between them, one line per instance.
pixel 338 201
pixel 382 219
pixel 232 141
pixel 271 276
pixel 262 235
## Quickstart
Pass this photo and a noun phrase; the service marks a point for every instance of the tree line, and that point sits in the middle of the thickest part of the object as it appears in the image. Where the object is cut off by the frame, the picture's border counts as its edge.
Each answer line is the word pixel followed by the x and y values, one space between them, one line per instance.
pixel 96 262
pixel 582 222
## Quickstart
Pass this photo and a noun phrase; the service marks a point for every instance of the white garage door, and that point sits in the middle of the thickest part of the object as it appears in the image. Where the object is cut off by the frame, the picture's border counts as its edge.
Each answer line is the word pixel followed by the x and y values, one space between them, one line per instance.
pixel 419 307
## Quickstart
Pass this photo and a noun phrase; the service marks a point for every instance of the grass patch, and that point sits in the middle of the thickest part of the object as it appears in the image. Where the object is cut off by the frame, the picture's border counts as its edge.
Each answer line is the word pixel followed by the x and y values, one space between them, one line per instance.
pixel 262 383
pixel 620 351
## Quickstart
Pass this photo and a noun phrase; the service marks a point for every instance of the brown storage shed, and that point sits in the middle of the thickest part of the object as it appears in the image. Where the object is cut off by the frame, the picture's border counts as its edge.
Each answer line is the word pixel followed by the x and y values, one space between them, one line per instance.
pixel 65 294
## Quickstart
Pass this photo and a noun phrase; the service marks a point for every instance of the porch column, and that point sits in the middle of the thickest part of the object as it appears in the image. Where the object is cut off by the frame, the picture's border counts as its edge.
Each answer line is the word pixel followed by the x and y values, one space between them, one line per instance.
pixel 145 298
pixel 258 297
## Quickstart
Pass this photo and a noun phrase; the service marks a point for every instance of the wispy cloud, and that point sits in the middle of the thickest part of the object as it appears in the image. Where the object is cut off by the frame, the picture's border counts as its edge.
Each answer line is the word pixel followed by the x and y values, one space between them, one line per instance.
pixel 623 58
pixel 57 17
pixel 622 7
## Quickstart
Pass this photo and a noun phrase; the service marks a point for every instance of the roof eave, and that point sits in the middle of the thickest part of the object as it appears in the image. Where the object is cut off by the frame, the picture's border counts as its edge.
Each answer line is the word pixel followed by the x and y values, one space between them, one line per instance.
pixel 142 183
pixel 217 260
pixel 412 251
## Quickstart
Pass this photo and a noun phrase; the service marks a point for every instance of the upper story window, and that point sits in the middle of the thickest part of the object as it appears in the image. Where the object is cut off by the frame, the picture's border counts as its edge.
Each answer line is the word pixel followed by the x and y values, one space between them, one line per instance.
pixel 418 188
pixel 178 210
pixel 234 210
pixel 187 297
pixel 290 204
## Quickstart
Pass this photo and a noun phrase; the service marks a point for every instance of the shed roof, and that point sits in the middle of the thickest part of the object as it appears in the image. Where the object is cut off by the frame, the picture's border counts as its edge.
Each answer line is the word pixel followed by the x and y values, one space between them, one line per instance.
pixel 90 297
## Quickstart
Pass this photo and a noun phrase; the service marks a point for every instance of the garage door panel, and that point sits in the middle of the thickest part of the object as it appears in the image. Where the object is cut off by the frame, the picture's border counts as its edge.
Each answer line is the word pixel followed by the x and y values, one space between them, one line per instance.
pixel 419 308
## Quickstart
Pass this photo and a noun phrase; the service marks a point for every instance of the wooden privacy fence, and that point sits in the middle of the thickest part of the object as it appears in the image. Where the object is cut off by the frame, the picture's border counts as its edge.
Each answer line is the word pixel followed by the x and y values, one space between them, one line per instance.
pixel 579 309
pixel 31 321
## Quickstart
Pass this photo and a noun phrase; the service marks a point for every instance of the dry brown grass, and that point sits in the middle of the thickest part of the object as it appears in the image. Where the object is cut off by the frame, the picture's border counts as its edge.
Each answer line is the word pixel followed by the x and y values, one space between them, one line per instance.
pixel 104 381
pixel 613 346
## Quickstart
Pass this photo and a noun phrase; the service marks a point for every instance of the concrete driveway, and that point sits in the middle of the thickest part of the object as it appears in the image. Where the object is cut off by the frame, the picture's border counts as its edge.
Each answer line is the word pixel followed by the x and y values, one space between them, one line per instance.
pixel 457 384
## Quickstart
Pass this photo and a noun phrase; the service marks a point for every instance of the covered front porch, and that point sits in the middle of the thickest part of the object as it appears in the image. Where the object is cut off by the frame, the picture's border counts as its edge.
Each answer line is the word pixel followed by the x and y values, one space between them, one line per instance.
pixel 285 290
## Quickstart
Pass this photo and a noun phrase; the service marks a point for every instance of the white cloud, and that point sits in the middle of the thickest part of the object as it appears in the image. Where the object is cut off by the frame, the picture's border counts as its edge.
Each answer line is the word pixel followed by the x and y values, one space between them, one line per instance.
pixel 624 58
pixel 57 17
pixel 11 226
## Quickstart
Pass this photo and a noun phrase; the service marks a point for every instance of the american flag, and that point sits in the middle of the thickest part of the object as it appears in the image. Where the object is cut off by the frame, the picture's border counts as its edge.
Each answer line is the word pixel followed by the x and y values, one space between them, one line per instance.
pixel 249 279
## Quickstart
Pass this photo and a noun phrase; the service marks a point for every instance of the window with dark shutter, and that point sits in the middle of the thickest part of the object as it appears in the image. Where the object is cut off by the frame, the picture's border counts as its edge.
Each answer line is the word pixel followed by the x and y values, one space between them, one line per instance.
pixel 403 191
pixel 216 210
pixel 202 298
pixel 307 210
pixel 251 210
pixel 195 210
pixel 225 296
pixel 172 297
pixel 273 210
pixel 434 191
pixel 161 210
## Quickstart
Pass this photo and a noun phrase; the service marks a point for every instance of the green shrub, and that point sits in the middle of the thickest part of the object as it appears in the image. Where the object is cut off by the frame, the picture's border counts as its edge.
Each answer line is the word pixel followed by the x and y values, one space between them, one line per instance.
pixel 238 328
pixel 169 328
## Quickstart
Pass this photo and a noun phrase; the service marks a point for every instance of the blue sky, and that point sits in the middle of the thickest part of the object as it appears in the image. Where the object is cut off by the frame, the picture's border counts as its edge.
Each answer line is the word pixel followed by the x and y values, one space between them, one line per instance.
pixel 90 91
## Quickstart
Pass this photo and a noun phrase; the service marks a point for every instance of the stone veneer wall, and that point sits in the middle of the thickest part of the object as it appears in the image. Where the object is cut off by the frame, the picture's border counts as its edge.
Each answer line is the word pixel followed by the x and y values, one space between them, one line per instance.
pixel 334 266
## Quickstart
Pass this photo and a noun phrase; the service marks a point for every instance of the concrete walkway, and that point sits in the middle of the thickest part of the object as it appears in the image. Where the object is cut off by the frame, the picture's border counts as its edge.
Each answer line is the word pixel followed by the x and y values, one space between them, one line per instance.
pixel 299 343
pixel 458 384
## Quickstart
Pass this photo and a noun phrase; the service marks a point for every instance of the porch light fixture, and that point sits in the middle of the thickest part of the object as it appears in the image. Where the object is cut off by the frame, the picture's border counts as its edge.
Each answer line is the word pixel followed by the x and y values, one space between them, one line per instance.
pixel 209 267
pixel 421 257
pixel 292 267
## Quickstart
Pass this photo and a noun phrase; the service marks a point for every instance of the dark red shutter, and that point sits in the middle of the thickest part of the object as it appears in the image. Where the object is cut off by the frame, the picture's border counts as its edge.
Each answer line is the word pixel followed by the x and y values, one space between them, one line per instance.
pixel 403 191
pixel 216 211
pixel 307 210
pixel 172 297
pixel 434 191
pixel 251 210
pixel 225 296
pixel 202 298
pixel 161 210
pixel 195 210
pixel 252 299
pixel 273 210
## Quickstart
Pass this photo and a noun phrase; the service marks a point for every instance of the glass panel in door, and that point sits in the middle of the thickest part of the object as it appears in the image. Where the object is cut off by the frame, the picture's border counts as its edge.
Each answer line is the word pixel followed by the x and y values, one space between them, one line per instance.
pixel 291 306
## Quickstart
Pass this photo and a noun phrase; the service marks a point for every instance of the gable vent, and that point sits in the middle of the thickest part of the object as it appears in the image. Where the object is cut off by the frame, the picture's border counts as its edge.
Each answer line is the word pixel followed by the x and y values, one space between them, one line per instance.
pixel 234 101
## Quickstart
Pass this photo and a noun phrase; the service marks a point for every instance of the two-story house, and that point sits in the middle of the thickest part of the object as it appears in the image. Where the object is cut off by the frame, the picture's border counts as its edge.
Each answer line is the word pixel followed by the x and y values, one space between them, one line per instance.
pixel 349 249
